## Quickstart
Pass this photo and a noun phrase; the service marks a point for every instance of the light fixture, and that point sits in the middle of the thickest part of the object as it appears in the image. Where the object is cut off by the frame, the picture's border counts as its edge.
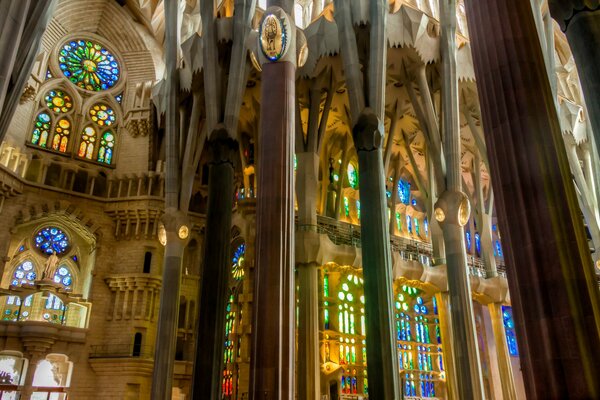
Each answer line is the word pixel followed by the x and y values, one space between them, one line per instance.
pixel 162 234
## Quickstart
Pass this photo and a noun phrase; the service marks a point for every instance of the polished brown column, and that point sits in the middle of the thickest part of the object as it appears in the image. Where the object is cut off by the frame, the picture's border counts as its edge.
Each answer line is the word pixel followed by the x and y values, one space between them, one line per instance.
pixel 272 370
pixel 552 283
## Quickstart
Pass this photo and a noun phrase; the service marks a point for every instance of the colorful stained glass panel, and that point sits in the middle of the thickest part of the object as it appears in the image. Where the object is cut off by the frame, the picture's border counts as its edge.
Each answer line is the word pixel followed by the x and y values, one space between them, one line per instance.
pixel 102 114
pixel 58 101
pixel 89 65
pixel 51 239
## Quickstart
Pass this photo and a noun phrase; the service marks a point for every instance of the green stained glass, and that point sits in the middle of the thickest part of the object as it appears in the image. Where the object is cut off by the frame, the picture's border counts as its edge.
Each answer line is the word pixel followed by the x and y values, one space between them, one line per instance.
pixel 41 130
pixel 352 176
pixel 326 285
pixel 107 144
pixel 88 65
pixel 346 207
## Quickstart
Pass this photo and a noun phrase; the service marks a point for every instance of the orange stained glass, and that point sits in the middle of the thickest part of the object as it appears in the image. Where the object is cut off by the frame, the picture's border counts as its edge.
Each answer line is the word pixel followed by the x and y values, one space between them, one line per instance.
pixel 62 130
pixel 88 139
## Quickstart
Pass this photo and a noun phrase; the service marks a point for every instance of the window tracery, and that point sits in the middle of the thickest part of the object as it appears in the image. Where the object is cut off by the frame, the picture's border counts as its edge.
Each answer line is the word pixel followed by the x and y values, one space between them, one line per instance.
pixel 91 68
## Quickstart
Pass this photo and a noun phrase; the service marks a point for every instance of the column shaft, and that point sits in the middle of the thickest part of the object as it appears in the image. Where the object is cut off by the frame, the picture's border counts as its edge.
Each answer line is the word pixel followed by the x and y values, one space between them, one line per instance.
pixel 272 371
pixel 166 337
pixel 210 332
pixel 447 349
pixel 550 274
pixel 308 332
pixel 382 364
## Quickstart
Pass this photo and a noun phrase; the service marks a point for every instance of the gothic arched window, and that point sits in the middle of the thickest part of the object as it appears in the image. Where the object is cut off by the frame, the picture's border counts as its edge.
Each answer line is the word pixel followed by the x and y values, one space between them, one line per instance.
pixel 57 105
pixel 237 262
pixel 107 144
pixel 63 276
pixel 24 273
pixel 91 68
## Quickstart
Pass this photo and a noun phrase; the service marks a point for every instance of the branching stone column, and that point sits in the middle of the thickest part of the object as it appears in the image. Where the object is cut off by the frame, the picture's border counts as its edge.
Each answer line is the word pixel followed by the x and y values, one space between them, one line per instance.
pixel 273 347
pixel 210 331
pixel 382 363
pixel 452 212
pixel 174 232
pixel 580 20
pixel 552 283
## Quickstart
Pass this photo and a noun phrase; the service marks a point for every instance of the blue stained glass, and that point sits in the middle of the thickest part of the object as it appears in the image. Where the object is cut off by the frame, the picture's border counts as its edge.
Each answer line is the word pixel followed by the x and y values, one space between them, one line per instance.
pixel 509 328
pixel 477 243
pixel 24 273
pixel 237 267
pixel 468 236
pixel 498 249
pixel 88 65
pixel 404 191
pixel 414 202
pixel 409 223
pixel 63 276
pixel 51 239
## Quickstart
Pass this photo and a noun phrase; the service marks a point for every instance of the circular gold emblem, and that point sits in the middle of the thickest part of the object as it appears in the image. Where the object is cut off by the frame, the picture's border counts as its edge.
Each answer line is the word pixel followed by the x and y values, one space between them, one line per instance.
pixel 273 37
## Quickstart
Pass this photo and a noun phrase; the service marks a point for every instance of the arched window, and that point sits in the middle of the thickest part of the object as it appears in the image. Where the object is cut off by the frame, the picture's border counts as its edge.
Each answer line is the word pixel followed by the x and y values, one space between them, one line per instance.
pixel 24 273
pixel 509 328
pixel 91 68
pixel 87 144
pixel 107 143
pixel 62 130
pixel 41 130
pixel 404 191
pixel 56 105
pixel 63 276
pixel 352 176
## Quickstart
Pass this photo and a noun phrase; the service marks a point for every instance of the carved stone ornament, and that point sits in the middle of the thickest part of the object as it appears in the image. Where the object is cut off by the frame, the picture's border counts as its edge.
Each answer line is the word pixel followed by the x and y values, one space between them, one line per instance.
pixel 274 35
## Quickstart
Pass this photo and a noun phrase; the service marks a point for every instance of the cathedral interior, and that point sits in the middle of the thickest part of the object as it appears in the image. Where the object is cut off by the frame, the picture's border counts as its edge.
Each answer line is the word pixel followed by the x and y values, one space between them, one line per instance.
pixel 299 199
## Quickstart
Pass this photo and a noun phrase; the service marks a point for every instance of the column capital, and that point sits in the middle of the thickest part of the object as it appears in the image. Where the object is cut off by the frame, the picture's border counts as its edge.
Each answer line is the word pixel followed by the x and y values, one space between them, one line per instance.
pixel 563 11
pixel 368 131
pixel 223 148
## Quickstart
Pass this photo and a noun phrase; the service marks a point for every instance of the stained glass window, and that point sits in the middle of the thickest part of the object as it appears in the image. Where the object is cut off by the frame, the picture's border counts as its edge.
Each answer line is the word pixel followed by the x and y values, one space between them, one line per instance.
pixel 119 98
pixel 24 273
pixel 107 144
pixel 62 130
pixel 352 176
pixel 102 114
pixel 498 249
pixel 88 65
pixel 409 223
pixel 398 221
pixel 51 239
pixel 426 226
pixel 509 328
pixel 477 243
pixel 41 130
pixel 88 140
pixel 403 191
pixel 58 101
pixel 346 207
pixel 237 261
pixel 63 276
pixel 358 208
pixel 468 240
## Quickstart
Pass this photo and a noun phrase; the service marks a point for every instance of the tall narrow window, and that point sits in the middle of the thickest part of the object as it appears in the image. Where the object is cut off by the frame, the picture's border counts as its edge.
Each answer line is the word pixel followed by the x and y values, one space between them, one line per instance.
pixel 147 262
pixel 88 140
pixel 137 345
pixel 41 130
pixel 107 143
pixel 62 130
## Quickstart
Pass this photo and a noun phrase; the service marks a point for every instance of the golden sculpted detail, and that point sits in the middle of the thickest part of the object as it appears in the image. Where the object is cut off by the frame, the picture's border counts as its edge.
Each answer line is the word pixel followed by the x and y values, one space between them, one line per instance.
pixel 273 37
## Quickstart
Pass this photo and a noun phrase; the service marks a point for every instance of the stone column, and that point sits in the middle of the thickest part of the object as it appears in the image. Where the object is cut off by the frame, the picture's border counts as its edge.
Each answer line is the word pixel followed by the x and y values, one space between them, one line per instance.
pixel 507 381
pixel 454 206
pixel 306 245
pixel 27 388
pixel 175 230
pixel 273 330
pixel 550 273
pixel 581 23
pixel 382 366
pixel 210 330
